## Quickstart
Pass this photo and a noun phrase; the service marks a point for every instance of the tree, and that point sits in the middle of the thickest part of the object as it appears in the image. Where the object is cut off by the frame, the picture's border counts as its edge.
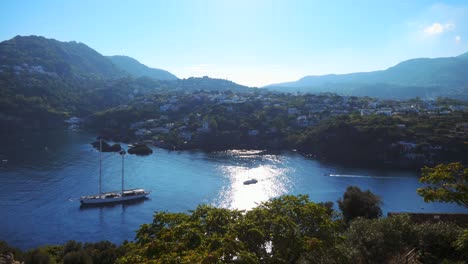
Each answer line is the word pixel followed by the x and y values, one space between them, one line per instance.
pixel 77 257
pixel 437 242
pixel 379 240
pixel 39 256
pixel 356 203
pixel 461 244
pixel 447 183
pixel 286 229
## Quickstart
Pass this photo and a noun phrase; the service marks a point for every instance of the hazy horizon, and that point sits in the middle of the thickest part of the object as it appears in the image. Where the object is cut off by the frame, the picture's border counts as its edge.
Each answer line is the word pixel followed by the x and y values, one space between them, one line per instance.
pixel 253 44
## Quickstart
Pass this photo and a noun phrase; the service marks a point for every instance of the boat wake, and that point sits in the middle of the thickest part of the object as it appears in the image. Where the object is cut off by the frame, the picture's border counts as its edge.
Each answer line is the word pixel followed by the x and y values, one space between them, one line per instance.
pixel 363 176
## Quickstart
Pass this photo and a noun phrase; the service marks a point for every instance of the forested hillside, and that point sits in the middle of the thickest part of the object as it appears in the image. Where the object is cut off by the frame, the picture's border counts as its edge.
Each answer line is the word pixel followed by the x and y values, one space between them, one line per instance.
pixel 43 81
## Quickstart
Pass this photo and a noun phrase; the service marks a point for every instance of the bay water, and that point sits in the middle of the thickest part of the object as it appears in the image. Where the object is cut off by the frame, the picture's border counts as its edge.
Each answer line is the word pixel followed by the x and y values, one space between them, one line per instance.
pixel 43 174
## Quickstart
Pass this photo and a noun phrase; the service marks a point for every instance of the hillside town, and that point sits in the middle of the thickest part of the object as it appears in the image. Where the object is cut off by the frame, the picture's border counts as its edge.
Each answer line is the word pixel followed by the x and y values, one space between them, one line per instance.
pixel 266 120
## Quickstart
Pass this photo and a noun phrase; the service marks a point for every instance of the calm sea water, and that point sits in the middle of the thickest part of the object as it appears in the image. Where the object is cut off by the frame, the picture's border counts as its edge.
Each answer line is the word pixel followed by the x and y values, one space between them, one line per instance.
pixel 47 172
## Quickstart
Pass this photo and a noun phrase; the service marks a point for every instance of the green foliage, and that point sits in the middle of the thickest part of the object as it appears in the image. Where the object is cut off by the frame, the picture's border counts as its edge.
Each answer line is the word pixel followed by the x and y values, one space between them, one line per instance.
pixel 61 58
pixel 39 256
pixel 5 248
pixel 438 242
pixel 385 239
pixel 284 229
pixel 372 140
pixel 74 252
pixel 446 183
pixel 356 203
pixel 287 229
pixel 461 244
pixel 378 240
pixel 77 257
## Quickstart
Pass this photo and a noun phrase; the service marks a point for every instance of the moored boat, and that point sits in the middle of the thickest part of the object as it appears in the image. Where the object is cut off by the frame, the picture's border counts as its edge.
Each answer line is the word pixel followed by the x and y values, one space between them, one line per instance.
pixel 251 181
pixel 117 196
pixel 112 197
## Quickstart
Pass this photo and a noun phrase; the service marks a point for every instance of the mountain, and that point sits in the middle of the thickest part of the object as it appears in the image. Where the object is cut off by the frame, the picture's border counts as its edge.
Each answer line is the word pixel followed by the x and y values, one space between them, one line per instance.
pixel 463 56
pixel 208 84
pixel 43 81
pixel 416 77
pixel 34 54
pixel 136 69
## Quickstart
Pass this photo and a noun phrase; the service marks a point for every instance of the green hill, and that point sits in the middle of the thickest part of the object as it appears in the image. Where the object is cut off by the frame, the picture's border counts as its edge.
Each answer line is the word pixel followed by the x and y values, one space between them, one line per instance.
pixel 34 54
pixel 136 69
pixel 42 81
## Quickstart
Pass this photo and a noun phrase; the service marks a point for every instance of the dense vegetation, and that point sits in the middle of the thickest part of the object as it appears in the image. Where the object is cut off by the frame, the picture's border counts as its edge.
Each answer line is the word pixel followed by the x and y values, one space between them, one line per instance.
pixel 445 183
pixel 45 80
pixel 357 139
pixel 52 57
pixel 262 121
pixel 48 100
pixel 288 229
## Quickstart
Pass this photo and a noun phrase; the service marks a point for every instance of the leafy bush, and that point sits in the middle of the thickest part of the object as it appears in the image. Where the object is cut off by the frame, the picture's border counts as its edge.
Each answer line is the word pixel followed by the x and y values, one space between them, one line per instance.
pixel 356 203
pixel 39 256
pixel 378 240
pixel 437 242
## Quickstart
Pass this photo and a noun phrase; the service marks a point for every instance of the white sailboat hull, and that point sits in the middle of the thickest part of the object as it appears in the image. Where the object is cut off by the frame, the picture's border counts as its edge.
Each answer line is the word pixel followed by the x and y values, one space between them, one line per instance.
pixel 114 197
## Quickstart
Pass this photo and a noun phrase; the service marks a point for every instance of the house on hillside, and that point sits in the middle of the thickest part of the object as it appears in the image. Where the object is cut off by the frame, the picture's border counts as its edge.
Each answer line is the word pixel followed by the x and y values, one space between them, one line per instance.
pixel 253 132
pixel 205 127
pixel 293 111
pixel 302 121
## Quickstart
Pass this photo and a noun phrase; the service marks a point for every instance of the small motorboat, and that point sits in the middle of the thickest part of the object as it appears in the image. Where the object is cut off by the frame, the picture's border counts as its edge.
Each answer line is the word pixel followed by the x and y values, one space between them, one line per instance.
pixel 251 181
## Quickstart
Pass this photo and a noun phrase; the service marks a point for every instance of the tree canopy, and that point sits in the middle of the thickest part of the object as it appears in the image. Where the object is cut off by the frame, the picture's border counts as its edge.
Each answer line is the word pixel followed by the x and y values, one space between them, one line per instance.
pixel 287 229
pixel 445 183
pixel 356 203
pixel 282 230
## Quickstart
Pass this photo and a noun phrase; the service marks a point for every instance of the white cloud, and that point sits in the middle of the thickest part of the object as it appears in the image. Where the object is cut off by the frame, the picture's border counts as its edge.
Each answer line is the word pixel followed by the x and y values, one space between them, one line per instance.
pixel 457 39
pixel 438 28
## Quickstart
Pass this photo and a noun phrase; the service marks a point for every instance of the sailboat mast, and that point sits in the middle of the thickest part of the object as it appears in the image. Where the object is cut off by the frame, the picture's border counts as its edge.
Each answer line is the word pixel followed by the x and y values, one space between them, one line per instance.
pixel 100 166
pixel 123 154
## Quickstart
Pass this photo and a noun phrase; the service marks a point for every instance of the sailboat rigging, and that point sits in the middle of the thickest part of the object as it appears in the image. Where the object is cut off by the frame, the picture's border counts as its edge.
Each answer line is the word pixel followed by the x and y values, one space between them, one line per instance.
pixel 113 197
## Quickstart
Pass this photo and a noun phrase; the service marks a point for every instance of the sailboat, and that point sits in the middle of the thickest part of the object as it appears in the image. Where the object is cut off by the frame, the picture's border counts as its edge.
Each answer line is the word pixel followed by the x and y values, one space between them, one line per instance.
pixel 113 197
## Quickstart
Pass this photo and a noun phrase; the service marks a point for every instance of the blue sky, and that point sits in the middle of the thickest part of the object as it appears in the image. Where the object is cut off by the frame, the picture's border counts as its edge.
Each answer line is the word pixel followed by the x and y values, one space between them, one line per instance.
pixel 252 42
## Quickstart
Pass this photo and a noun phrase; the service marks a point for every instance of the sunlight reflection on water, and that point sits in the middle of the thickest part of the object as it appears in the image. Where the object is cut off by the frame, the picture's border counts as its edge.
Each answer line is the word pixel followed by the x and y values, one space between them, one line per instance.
pixel 266 169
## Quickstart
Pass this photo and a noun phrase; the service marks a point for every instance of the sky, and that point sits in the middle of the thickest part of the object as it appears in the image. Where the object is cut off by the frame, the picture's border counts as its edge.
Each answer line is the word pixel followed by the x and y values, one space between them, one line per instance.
pixel 251 42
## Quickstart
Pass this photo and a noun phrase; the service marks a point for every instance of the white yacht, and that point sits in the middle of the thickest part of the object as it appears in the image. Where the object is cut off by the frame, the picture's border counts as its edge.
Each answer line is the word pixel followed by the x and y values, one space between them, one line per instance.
pixel 116 196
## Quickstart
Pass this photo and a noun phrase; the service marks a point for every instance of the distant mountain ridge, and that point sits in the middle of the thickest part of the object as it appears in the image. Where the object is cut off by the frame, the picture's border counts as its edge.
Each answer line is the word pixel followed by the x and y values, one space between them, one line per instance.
pixel 137 69
pixel 422 77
